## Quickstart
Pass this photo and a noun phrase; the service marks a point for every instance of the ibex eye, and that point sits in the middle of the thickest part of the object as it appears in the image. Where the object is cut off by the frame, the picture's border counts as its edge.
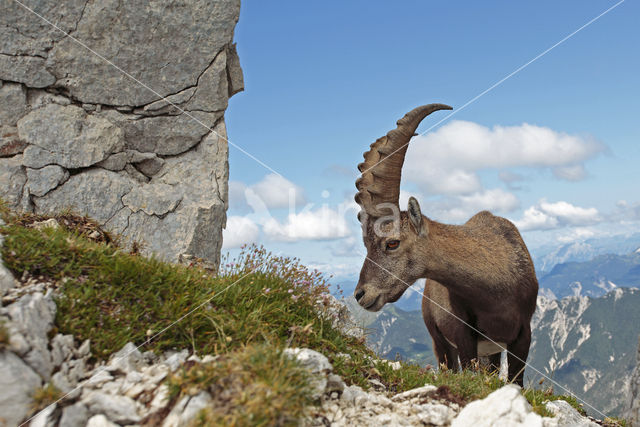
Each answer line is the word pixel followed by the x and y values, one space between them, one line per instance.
pixel 393 244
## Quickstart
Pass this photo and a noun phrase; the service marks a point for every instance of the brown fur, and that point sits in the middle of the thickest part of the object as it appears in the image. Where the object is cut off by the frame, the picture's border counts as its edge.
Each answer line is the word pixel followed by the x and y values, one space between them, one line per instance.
pixel 480 272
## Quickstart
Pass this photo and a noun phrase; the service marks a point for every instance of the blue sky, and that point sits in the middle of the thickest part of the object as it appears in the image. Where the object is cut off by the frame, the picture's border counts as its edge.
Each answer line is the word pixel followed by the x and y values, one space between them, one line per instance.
pixel 554 148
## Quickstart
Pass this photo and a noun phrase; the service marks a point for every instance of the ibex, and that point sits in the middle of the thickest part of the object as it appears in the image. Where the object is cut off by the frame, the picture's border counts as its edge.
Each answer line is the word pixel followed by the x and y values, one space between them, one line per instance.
pixel 481 271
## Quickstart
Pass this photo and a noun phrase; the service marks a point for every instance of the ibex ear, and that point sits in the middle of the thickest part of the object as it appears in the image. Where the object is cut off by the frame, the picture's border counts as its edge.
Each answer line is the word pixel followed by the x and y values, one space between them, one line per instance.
pixel 415 216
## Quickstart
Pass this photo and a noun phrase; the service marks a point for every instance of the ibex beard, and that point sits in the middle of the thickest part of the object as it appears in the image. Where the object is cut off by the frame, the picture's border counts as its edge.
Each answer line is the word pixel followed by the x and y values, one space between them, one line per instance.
pixel 481 286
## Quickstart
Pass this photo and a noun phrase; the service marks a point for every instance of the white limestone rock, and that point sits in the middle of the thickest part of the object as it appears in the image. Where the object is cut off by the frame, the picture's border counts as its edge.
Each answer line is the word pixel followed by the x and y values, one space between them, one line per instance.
pixel 17 383
pixel 505 407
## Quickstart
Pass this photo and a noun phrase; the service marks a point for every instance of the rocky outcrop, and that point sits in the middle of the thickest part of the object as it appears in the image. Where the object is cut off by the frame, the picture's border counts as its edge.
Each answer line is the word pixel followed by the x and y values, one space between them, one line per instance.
pixel 116 110
pixel 633 414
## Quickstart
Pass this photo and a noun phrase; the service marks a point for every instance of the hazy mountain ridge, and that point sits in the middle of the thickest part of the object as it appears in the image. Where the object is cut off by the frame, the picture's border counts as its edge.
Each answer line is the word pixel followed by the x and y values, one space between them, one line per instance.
pixel 547 257
pixel 594 278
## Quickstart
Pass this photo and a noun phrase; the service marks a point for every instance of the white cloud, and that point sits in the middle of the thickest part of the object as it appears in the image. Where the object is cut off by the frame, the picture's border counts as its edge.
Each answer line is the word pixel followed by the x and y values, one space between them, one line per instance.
pixel 459 208
pixel 547 215
pixel 240 230
pixel 320 224
pixel 447 161
pixel 272 192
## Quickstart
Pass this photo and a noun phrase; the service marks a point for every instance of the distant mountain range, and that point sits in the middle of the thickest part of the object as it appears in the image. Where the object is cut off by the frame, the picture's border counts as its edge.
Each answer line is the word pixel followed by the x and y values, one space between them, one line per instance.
pixel 595 277
pixel 547 257
pixel 584 343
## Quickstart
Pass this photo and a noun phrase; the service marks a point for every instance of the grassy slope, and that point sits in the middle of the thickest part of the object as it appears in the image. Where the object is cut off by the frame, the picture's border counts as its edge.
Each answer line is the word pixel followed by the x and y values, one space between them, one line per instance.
pixel 257 306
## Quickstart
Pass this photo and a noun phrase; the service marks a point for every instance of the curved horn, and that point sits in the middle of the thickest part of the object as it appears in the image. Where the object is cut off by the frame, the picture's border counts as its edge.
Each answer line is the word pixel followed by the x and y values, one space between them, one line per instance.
pixel 382 166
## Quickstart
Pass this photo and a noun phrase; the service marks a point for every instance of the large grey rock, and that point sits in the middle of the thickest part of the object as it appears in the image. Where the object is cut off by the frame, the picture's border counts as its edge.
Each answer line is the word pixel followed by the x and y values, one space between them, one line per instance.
pixel 97 193
pixel 633 414
pixel 69 108
pixel 67 136
pixel 13 99
pixel 175 43
pixel 17 384
pixel 12 180
pixel 41 181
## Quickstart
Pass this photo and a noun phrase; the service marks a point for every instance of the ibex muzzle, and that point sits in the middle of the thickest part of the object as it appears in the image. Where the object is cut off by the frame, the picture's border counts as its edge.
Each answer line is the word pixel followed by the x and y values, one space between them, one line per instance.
pixel 480 273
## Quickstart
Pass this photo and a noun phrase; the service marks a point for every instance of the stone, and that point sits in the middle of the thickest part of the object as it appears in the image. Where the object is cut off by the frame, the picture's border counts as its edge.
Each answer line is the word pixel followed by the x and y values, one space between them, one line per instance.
pixel 212 89
pixel 17 384
pixel 633 412
pixel 416 393
pixel 120 409
pixel 168 135
pixel 13 178
pixel 75 415
pixel 126 360
pixel 61 349
pixel 334 384
pixel 67 136
pixel 169 105
pixel 100 421
pixel 7 281
pixel 175 359
pixel 173 419
pixel 12 95
pixel 309 359
pixel 197 403
pixel 154 199
pixel 175 43
pixel 32 316
pixel 505 406
pixel 234 71
pixel 97 193
pixel 435 414
pixel 29 70
pixel 24 33
pixel 150 167
pixel 566 415
pixel 44 418
pixel 10 142
pixel 41 181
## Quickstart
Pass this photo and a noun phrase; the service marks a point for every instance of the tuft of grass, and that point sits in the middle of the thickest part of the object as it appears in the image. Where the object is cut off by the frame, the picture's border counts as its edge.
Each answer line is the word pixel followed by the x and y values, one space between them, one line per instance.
pixel 251 386
pixel 45 396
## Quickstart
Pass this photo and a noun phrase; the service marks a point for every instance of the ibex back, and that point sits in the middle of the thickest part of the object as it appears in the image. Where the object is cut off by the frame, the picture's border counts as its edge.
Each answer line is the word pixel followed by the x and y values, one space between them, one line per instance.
pixel 479 273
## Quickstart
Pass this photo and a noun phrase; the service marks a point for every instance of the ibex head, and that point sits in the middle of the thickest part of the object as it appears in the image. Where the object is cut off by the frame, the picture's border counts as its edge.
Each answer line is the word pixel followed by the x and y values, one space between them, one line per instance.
pixel 392 237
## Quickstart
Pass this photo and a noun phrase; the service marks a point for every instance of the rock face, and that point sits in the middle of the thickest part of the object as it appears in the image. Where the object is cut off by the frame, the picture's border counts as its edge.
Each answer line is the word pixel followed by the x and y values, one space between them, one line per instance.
pixel 633 415
pixel 122 117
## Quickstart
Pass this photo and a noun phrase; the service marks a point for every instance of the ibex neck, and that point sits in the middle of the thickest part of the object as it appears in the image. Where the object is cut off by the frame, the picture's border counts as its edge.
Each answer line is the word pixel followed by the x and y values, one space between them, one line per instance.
pixel 451 255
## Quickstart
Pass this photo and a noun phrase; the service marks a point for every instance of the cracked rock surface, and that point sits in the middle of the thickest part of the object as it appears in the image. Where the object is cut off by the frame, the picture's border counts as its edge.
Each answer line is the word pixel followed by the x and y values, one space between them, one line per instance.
pixel 76 132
